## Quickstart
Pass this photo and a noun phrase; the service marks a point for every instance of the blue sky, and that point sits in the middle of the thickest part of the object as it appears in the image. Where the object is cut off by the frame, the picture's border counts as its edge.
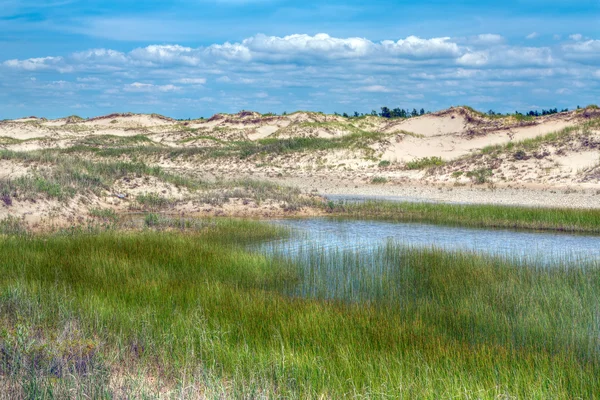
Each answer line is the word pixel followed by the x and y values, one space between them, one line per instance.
pixel 190 58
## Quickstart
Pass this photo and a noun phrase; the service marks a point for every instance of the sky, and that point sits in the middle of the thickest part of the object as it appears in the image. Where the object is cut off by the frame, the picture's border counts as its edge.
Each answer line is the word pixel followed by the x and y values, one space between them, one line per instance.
pixel 193 58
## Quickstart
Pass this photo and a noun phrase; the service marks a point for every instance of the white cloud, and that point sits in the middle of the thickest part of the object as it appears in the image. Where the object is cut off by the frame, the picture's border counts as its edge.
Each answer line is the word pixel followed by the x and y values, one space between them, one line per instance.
pixel 488 39
pixel 415 47
pixel 103 56
pixel 341 69
pixel 583 51
pixel 375 89
pixel 576 36
pixel 165 54
pixel 532 35
pixel 476 59
pixel 589 46
pixel 272 50
pixel 148 87
pixel 88 79
pixel 191 81
pixel 507 56
pixel 38 64
pixel 320 45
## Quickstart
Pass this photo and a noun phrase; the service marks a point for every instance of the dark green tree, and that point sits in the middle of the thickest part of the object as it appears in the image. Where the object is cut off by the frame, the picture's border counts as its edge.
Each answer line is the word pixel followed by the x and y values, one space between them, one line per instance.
pixel 385 112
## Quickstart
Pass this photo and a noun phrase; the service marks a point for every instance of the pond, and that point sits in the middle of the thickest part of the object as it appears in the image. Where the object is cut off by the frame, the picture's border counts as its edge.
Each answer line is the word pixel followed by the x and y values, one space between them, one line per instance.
pixel 363 235
pixel 362 260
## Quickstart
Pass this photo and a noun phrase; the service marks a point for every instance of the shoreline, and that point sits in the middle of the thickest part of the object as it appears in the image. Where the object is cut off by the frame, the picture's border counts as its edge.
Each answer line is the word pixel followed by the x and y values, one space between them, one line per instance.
pixel 575 197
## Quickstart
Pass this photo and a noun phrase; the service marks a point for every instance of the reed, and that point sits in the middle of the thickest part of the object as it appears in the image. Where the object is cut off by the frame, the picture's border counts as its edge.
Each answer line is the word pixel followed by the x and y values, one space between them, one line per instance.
pixel 472 215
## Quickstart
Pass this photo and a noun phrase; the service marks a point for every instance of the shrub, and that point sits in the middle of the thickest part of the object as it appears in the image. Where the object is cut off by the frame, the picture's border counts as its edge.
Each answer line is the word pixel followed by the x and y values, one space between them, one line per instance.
pixel 379 180
pixel 384 163
pixel 425 162
pixel 520 155
pixel 480 176
pixel 151 220
pixel 6 199
pixel 152 200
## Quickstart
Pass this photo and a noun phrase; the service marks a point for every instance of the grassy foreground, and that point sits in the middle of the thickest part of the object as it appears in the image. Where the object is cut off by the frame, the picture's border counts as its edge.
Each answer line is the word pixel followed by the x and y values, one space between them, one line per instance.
pixel 474 215
pixel 192 314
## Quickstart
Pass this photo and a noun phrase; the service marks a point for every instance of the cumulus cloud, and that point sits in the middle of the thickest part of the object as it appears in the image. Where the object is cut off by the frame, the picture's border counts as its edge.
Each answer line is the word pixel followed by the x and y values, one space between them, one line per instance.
pixel 583 51
pixel 532 35
pixel 165 54
pixel 104 56
pixel 576 36
pixel 38 64
pixel 239 74
pixel 506 56
pixel 589 46
pixel 415 47
pixel 298 49
pixel 320 45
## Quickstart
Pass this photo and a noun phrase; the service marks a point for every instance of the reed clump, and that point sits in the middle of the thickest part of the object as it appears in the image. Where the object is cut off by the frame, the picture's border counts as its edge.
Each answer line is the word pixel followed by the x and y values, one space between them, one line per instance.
pixel 472 215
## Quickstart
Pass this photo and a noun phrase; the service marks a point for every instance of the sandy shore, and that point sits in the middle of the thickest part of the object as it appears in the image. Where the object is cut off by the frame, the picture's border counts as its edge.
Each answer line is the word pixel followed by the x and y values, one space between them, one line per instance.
pixel 335 188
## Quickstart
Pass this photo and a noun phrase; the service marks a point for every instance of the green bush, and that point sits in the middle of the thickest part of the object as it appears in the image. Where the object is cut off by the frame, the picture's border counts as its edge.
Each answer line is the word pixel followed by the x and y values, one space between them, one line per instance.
pixel 425 162
pixel 379 180
pixel 480 175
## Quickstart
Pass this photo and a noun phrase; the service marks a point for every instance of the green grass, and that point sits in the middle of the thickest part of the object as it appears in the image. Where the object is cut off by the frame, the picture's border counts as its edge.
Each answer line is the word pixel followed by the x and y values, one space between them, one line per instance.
pixel 480 215
pixel 357 139
pixel 379 180
pixel 198 311
pixel 480 175
pixel 425 162
pixel 63 177
pixel 102 141
pixel 153 201
pixel 202 137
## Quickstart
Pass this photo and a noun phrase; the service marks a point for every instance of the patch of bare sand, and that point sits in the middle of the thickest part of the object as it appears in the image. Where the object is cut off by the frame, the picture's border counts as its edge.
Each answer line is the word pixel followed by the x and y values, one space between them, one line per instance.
pixel 405 147
pixel 12 170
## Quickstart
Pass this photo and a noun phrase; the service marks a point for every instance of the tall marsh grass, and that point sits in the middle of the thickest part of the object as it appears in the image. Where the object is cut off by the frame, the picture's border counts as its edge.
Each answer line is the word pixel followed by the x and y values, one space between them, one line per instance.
pixel 473 215
pixel 198 314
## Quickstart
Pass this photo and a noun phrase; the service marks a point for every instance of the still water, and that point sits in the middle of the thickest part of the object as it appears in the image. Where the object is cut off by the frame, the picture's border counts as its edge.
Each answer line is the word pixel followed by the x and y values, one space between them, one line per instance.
pixel 362 235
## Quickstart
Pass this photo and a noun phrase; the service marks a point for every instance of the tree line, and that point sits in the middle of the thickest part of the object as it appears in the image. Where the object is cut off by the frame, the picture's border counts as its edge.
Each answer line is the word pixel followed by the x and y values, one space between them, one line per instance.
pixel 387 112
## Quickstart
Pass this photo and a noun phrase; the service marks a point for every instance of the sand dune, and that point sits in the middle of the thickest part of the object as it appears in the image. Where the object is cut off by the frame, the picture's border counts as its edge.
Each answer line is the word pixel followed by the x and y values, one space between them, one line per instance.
pixel 450 155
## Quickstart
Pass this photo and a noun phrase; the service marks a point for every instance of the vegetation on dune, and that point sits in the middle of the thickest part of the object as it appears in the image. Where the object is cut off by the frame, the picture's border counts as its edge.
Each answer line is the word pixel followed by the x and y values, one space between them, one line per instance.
pixel 102 141
pixel 379 180
pixel 425 162
pixel 184 314
pixel 560 137
pixel 358 139
pixel 63 177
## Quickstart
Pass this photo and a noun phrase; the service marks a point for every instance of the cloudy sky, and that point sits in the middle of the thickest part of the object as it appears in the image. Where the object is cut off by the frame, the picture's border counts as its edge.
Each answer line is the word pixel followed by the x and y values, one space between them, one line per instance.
pixel 191 58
